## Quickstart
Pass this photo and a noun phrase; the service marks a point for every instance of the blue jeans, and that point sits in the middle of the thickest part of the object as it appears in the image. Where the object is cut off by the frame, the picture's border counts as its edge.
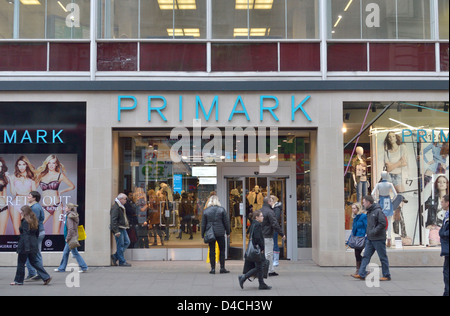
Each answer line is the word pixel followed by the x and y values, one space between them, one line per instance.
pixel 122 243
pixel 31 269
pixel 380 247
pixel 361 190
pixel 75 254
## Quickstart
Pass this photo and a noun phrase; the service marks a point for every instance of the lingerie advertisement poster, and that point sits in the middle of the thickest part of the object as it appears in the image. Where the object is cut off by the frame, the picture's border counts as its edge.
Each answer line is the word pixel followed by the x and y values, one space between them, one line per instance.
pixel 42 148
pixel 422 182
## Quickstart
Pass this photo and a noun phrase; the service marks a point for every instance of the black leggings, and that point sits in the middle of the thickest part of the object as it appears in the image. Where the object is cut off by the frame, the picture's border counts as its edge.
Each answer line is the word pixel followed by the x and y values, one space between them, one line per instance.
pixel 212 252
pixel 358 254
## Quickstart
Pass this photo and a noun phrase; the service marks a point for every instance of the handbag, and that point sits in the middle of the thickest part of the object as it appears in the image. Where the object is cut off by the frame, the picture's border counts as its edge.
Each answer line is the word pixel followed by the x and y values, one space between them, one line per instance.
pixel 253 253
pixel 209 235
pixel 73 244
pixel 356 242
pixel 81 233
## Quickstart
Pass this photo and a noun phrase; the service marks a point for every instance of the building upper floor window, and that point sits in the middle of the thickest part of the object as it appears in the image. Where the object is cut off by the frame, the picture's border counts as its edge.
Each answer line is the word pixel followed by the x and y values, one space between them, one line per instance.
pixel 380 19
pixel 45 19
pixel 226 19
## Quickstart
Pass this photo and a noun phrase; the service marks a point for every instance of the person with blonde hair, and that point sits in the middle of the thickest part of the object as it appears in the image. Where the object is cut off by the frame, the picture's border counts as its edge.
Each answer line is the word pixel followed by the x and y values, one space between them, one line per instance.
pixel 216 217
pixel 71 234
pixel 22 182
pixel 50 175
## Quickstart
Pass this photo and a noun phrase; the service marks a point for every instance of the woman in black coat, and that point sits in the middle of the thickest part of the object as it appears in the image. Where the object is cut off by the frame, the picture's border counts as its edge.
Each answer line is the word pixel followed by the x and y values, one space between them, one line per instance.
pixel 27 247
pixel 216 216
pixel 255 268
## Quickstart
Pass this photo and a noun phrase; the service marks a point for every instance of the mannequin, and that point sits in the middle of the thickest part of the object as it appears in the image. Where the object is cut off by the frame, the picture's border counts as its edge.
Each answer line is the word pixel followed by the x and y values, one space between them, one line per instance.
pixel 384 189
pixel 360 174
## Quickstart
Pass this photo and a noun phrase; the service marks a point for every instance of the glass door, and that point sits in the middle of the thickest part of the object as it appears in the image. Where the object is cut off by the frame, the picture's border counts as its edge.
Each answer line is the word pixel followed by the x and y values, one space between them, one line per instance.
pixel 277 188
pixel 236 206
pixel 254 189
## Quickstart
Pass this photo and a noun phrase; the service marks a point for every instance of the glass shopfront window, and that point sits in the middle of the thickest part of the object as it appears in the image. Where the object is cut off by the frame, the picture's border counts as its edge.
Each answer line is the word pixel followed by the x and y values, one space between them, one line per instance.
pixel 369 19
pixel 45 19
pixel 167 198
pixel 404 147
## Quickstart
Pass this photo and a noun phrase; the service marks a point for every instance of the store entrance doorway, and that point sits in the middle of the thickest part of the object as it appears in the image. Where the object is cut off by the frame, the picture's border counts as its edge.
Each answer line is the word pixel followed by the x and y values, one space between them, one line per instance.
pixel 245 195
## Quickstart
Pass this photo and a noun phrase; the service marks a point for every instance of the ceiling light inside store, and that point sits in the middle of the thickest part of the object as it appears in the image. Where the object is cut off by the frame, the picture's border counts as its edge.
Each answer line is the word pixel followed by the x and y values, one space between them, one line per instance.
pixel 30 2
pixel 188 32
pixel 258 31
pixel 254 4
pixel 348 5
pixel 177 4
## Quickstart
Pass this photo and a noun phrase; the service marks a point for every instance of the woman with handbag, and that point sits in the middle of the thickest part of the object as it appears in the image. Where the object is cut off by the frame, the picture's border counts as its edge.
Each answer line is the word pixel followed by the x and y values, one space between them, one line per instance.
pixel 251 266
pixel 71 238
pixel 215 225
pixel 27 247
pixel 358 232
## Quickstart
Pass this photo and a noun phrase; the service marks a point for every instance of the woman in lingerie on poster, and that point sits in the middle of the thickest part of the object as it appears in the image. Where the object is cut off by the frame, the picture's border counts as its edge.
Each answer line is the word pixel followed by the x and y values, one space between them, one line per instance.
pixel 22 183
pixel 395 160
pixel 4 211
pixel 49 178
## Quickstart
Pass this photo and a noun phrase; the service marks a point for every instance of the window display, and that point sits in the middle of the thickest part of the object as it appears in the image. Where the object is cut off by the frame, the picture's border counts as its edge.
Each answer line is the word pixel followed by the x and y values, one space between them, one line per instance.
pixel 407 165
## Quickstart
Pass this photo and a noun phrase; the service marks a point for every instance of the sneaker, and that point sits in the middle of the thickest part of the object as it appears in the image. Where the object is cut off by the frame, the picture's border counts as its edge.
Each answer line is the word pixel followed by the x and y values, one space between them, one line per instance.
pixel 385 278
pixel 223 270
pixel 126 264
pixel 30 278
pixel 57 270
pixel 15 283
pixel 273 274
pixel 83 271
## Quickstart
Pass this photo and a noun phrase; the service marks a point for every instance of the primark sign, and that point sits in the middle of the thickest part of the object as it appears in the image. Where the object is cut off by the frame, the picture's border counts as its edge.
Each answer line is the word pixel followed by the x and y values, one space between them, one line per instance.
pixel 40 136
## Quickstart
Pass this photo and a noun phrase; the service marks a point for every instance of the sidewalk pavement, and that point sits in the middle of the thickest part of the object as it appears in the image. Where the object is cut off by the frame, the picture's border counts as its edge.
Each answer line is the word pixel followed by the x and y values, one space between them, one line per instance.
pixel 191 279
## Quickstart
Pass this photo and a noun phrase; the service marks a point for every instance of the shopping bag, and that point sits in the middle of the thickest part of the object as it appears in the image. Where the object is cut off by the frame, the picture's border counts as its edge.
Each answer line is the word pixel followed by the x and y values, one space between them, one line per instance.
pixel 81 233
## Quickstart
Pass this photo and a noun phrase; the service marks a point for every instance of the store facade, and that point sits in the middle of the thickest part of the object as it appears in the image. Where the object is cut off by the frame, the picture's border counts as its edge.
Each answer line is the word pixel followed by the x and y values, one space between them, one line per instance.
pixel 283 143
pixel 170 101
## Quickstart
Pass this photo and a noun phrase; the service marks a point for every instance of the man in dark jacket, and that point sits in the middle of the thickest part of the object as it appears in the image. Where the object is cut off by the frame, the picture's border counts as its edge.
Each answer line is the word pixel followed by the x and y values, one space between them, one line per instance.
pixel 119 226
pixel 269 226
pixel 376 239
pixel 443 233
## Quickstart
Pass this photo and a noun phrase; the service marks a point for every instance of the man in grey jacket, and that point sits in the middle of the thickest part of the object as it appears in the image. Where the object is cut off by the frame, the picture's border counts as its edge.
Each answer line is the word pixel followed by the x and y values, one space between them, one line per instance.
pixel 376 239
pixel 269 226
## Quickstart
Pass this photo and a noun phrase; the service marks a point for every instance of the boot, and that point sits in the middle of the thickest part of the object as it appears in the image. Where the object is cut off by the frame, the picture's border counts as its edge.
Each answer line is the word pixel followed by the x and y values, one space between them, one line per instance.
pixel 358 265
pixel 276 257
pixel 241 279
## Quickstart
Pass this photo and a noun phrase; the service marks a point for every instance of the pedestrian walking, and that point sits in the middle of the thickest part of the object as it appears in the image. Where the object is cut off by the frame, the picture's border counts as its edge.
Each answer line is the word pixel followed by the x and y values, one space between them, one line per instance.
pixel 252 268
pixel 27 247
pixel 278 210
pixel 119 226
pixel 443 234
pixel 216 217
pixel 358 230
pixel 71 234
pixel 269 227
pixel 376 239
pixel 33 199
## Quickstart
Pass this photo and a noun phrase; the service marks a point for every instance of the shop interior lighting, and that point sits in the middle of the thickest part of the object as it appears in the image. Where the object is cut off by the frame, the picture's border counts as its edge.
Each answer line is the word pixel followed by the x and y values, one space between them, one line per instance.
pixel 186 32
pixel 254 4
pixel 258 31
pixel 62 6
pixel 348 5
pixel 338 20
pixel 177 4
pixel 30 2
